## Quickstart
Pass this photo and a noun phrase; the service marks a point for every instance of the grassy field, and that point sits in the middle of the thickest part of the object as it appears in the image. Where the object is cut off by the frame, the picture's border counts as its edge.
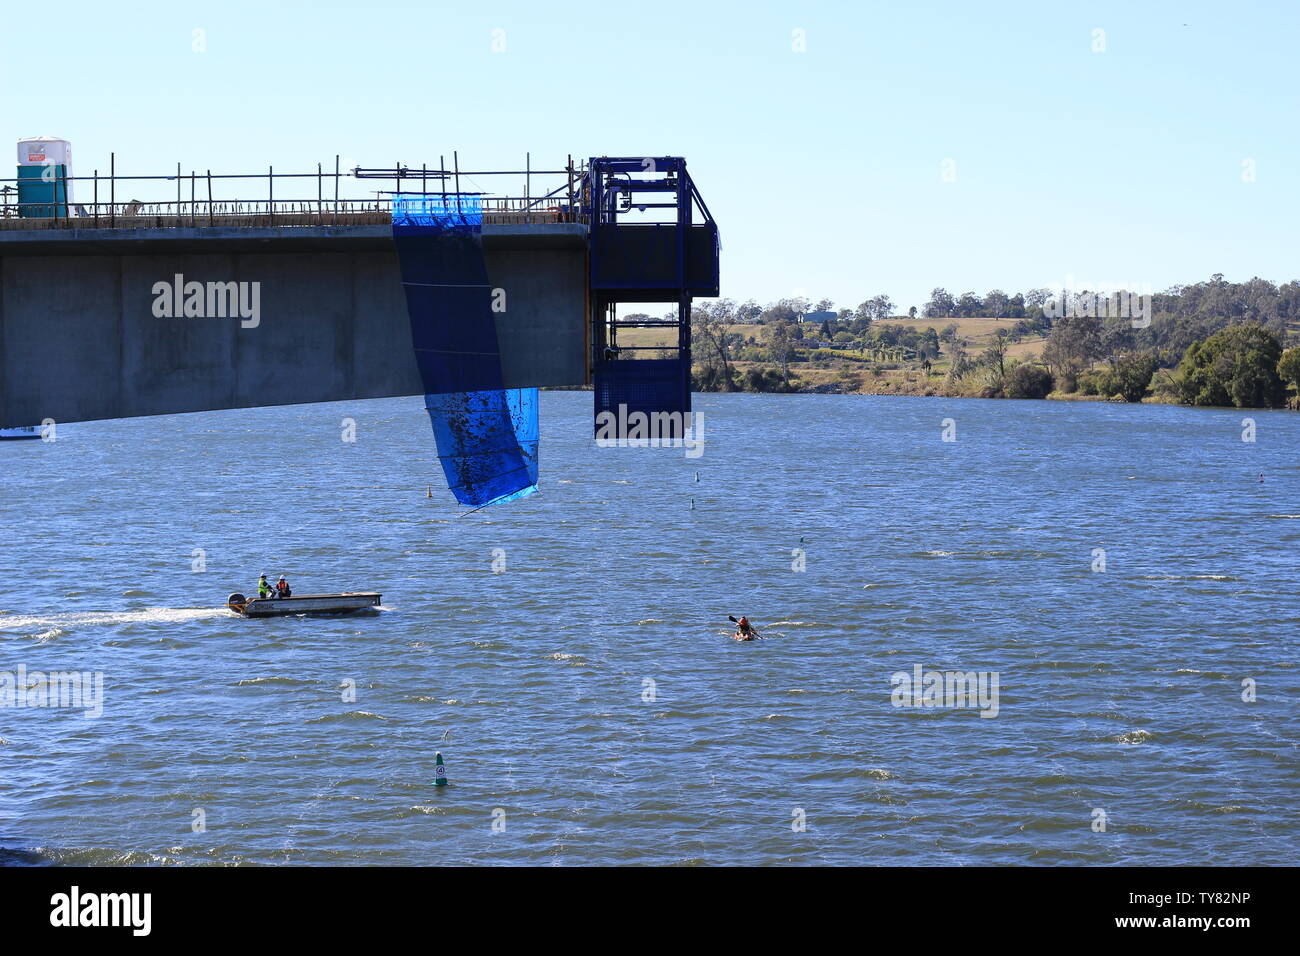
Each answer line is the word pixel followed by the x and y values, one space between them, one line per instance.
pixel 977 332
pixel 644 337
pixel 978 328
pixel 850 371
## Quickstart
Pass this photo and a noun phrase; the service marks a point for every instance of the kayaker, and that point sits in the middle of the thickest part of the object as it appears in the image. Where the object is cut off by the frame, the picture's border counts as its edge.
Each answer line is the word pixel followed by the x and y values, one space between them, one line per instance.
pixel 263 587
pixel 282 588
pixel 744 630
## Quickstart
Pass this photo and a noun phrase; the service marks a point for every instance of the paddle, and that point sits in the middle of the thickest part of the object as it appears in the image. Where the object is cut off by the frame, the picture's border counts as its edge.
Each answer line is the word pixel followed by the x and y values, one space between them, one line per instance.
pixel 751 629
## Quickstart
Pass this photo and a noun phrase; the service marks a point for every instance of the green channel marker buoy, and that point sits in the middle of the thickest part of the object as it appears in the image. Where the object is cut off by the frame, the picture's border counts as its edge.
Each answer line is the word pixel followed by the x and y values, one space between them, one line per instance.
pixel 692 504
pixel 439 771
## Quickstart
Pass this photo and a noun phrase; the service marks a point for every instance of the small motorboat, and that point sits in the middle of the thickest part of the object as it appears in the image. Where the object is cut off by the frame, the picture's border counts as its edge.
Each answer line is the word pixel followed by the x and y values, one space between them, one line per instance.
pixel 302 604
pixel 20 432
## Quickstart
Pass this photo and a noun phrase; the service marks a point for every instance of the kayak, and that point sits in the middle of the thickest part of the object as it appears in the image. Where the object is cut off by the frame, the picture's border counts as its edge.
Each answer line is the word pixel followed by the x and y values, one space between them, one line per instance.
pixel 741 637
pixel 305 604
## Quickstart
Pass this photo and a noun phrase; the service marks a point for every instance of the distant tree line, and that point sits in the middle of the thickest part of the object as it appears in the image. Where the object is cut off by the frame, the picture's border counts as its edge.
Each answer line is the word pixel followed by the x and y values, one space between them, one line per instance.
pixel 1213 342
pixel 995 305
pixel 1255 300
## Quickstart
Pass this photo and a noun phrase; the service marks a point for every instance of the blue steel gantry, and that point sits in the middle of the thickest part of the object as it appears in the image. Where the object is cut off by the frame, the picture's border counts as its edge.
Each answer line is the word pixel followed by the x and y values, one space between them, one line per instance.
pixel 645 245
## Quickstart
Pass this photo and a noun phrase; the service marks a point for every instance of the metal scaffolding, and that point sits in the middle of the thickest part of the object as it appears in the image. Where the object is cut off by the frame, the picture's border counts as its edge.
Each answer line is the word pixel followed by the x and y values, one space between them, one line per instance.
pixel 204 198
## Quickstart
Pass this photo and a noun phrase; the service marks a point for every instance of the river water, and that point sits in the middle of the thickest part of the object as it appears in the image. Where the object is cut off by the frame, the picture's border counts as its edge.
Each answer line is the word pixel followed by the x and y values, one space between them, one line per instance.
pixel 1121 571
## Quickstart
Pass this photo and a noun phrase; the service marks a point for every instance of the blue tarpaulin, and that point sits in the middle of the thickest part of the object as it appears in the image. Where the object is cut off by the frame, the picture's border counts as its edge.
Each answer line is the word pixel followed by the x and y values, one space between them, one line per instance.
pixel 486 434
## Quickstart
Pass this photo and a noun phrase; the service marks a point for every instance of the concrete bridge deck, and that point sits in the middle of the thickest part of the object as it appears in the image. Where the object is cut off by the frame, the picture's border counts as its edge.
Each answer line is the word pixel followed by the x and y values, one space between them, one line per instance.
pixel 80 340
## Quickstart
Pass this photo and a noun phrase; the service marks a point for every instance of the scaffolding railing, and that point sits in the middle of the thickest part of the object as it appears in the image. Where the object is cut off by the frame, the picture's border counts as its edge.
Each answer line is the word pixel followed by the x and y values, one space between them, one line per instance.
pixel 202 198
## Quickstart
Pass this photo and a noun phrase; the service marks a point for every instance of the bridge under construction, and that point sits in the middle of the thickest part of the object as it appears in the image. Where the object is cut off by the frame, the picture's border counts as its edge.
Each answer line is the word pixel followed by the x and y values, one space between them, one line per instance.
pixel 433 283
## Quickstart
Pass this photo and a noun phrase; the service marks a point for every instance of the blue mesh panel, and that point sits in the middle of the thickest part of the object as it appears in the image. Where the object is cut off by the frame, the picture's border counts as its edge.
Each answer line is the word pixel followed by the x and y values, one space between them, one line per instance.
pixel 487 442
pixel 643 385
pixel 486 434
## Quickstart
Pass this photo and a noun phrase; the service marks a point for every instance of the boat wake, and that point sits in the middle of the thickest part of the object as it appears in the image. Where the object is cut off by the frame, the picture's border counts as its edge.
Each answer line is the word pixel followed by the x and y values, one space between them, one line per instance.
pixel 46 628
pixel 1189 577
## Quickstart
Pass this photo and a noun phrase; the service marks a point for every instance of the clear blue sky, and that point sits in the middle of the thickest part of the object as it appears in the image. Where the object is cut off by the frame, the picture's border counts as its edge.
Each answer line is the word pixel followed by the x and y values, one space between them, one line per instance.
pixel 822 167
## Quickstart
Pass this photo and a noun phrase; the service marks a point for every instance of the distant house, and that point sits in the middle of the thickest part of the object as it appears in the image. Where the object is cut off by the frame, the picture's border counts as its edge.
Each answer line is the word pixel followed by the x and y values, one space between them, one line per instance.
pixel 817 318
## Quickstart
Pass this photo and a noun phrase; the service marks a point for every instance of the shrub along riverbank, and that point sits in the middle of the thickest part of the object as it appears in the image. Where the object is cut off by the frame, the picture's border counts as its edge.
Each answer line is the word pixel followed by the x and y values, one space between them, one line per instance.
pixel 1243 365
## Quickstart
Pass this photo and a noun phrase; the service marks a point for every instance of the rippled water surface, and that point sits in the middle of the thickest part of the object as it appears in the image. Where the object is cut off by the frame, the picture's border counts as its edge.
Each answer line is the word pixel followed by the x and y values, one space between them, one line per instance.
pixel 587 698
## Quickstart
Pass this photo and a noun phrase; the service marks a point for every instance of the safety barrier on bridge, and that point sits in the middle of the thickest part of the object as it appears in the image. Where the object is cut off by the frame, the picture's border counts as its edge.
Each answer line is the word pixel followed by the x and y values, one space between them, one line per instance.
pixel 203 198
